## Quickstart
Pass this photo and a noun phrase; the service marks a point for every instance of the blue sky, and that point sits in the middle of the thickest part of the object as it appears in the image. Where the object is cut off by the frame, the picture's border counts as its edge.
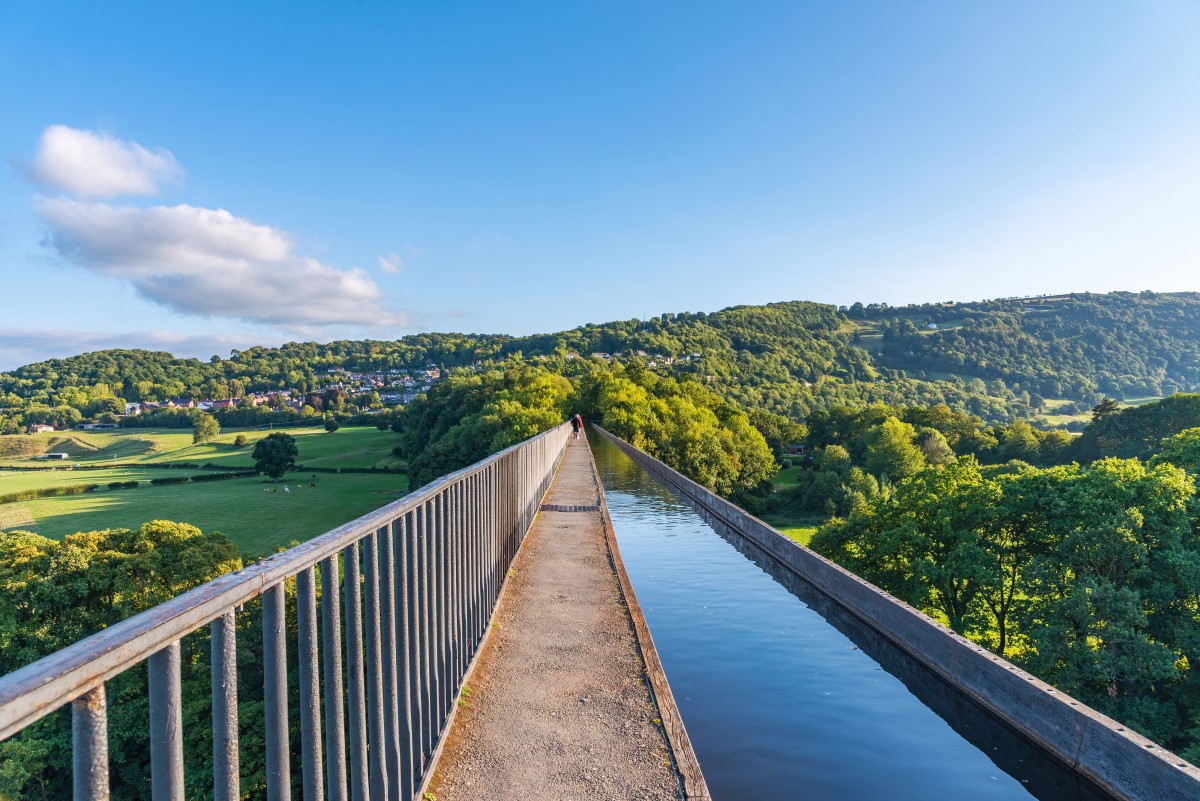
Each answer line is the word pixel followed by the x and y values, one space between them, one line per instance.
pixel 210 176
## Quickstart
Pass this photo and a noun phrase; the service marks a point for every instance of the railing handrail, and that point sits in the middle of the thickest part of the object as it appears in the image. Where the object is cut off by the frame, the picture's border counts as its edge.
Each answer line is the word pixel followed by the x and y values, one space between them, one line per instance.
pixel 38 689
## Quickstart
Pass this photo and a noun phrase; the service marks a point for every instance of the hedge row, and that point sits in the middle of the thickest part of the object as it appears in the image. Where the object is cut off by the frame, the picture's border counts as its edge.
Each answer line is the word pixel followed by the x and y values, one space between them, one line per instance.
pixel 305 469
pixel 48 492
pixel 115 485
pixel 159 482
pixel 223 476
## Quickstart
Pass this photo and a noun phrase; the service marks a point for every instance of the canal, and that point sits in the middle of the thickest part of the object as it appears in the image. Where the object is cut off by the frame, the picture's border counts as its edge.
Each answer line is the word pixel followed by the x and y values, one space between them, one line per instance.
pixel 784 695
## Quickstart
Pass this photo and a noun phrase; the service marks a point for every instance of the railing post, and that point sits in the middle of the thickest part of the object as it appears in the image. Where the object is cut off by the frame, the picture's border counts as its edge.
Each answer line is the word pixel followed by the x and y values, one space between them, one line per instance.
pixel 312 774
pixel 474 560
pixel 387 622
pixel 226 765
pixel 460 582
pixel 331 644
pixel 377 762
pixel 89 746
pixel 166 725
pixel 442 573
pixel 425 516
pixel 355 680
pixel 412 529
pixel 275 714
pixel 404 675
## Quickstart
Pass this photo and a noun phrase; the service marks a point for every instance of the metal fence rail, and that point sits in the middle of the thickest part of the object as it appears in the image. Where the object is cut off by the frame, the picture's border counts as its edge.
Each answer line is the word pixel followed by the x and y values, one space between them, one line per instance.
pixel 377 684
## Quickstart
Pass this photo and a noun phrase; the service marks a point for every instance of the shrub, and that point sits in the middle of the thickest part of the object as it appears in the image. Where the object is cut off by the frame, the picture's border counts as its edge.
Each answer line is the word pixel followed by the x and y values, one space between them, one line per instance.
pixel 48 492
pixel 159 482
pixel 223 476
pixel 240 441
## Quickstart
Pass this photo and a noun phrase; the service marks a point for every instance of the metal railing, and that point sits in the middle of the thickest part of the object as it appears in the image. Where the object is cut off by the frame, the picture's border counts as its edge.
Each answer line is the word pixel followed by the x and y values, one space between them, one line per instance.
pixel 420 580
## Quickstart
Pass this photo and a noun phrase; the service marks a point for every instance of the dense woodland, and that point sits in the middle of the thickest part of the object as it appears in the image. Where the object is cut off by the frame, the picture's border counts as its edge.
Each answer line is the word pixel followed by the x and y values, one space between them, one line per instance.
pixel 1077 557
pixel 1073 346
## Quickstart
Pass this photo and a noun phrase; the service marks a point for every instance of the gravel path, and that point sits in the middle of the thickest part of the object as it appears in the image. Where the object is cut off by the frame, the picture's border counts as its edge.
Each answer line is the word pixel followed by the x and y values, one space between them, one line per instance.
pixel 558 706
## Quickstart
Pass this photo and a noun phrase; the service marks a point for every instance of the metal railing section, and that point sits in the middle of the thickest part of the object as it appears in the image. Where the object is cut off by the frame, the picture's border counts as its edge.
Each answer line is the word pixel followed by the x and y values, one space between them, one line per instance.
pixel 420 581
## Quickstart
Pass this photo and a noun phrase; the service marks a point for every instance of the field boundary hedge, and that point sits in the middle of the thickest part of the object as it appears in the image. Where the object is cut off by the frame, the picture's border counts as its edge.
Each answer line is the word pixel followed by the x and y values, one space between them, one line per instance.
pixel 48 492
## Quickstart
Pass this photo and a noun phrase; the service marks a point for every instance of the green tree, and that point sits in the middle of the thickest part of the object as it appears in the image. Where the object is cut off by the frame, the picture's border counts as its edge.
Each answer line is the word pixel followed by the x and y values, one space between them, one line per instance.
pixel 54 593
pixel 331 424
pixel 890 452
pixel 275 454
pixel 205 428
pixel 1114 591
pixel 934 447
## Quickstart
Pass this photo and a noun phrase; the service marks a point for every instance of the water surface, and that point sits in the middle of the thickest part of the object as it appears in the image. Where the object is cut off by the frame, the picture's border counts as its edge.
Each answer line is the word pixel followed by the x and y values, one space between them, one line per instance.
pixel 779 703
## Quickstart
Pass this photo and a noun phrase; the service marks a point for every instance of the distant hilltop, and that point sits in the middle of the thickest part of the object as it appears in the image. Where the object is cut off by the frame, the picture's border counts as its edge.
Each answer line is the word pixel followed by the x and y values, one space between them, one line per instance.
pixel 1042 357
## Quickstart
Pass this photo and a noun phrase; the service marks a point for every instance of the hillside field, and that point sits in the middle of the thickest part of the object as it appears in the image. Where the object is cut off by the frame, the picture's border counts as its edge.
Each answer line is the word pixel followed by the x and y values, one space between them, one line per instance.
pixel 357 446
pixel 255 512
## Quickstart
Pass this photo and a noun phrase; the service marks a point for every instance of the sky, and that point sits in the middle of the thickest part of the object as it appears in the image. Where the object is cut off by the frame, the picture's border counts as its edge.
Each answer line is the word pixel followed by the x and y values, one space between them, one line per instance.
pixel 202 177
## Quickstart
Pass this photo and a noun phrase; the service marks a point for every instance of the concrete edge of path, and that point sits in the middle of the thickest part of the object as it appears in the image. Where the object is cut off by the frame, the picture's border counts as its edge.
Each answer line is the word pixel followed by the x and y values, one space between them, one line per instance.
pixel 683 756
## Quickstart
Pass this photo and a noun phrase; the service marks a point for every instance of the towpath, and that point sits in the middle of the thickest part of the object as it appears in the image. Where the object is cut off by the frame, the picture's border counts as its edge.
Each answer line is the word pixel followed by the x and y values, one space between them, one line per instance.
pixel 559 706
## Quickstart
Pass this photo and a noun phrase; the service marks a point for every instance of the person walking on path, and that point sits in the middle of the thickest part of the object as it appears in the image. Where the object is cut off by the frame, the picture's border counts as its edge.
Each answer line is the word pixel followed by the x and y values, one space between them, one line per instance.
pixel 576 424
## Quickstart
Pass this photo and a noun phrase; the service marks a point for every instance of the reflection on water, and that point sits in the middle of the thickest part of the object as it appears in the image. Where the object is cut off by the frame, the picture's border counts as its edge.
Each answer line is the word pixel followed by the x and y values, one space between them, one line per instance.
pixel 779 703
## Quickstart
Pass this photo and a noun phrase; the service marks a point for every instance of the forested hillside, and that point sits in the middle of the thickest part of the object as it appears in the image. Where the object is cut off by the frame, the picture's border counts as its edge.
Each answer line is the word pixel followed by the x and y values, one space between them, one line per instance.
pixel 1000 360
pixel 1072 346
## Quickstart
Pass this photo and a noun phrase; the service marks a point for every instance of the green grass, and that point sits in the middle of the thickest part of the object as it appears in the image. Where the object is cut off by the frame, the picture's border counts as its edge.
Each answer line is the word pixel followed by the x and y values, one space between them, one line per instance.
pixel 357 446
pixel 799 527
pixel 786 476
pixel 247 510
pixel 19 481
pixel 256 519
pixel 801 534
pixel 1050 412
pixel 361 446
pixel 1141 401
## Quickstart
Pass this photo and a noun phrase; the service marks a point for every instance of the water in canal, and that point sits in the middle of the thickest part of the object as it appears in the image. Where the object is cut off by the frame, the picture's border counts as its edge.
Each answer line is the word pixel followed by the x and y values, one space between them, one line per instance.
pixel 779 703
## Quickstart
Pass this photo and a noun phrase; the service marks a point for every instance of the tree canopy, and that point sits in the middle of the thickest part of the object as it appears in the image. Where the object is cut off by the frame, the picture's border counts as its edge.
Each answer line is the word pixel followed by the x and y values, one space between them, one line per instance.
pixel 275 454
pixel 205 428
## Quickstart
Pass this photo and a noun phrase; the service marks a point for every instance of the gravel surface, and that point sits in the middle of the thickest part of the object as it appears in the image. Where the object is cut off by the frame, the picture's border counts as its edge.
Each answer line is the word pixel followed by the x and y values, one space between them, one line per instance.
pixel 558 705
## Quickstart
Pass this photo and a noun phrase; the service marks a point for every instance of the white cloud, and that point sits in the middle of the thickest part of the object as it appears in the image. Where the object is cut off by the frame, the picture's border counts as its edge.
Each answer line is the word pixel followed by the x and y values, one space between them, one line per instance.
pixel 21 346
pixel 391 263
pixel 91 164
pixel 210 263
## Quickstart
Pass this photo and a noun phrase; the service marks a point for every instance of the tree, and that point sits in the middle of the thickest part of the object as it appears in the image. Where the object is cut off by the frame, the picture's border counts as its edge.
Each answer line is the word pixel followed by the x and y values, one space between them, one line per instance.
pixel 891 452
pixel 275 454
pixel 934 447
pixel 54 593
pixel 1106 408
pixel 239 441
pixel 205 428
pixel 331 424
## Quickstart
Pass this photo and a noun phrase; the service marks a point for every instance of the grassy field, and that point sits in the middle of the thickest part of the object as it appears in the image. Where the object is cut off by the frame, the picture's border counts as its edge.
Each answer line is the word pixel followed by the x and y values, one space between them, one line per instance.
pixel 799 527
pixel 359 446
pixel 786 476
pixel 20 480
pixel 1054 417
pixel 801 534
pixel 256 513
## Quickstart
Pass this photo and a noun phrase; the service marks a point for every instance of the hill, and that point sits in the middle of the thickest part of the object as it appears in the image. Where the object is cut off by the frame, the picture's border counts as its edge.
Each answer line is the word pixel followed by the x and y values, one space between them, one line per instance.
pixel 998 359
pixel 1069 346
